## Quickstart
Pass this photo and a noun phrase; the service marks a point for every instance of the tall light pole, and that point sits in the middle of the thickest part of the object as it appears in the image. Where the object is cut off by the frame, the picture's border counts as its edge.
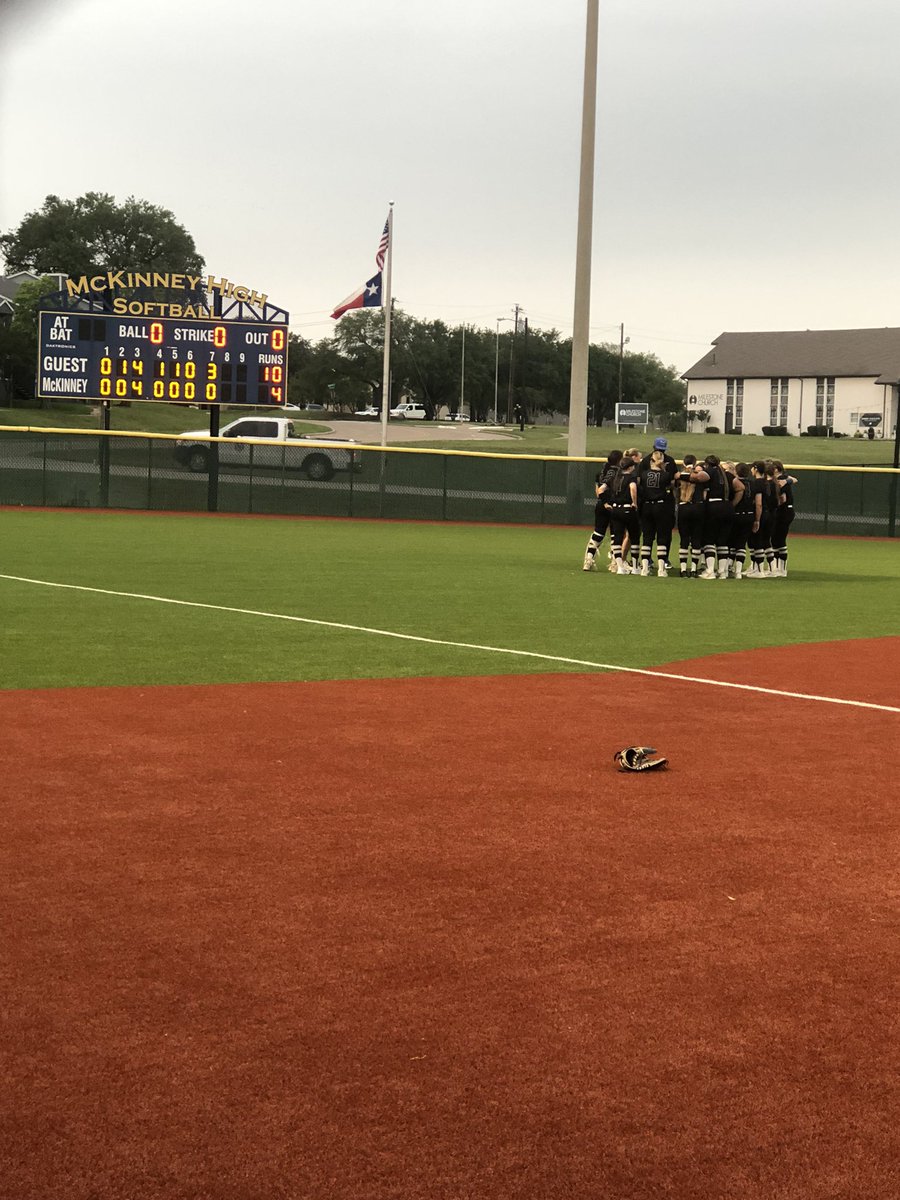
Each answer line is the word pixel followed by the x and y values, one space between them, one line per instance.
pixel 497 365
pixel 623 342
pixel 581 323
pixel 462 374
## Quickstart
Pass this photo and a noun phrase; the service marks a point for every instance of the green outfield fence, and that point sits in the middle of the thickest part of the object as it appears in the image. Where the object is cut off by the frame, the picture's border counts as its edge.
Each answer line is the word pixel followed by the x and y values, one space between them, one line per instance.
pixel 94 469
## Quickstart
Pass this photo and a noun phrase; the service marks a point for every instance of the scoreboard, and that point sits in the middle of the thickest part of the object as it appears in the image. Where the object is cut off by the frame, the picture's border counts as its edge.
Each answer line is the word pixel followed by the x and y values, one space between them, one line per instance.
pixel 99 356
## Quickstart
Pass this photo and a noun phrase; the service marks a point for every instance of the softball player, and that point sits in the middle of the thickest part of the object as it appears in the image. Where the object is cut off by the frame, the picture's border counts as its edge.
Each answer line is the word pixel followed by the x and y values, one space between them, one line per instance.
pixel 689 511
pixel 784 515
pixel 744 520
pixel 623 511
pixel 601 513
pixel 657 508
pixel 763 483
pixel 719 509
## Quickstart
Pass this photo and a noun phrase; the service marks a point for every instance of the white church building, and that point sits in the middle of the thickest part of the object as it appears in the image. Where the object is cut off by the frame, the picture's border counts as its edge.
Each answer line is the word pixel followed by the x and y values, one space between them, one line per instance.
pixel 846 379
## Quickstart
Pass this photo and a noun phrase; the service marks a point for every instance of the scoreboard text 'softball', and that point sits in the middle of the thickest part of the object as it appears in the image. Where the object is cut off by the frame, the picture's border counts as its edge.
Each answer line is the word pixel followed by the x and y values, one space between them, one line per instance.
pixel 103 357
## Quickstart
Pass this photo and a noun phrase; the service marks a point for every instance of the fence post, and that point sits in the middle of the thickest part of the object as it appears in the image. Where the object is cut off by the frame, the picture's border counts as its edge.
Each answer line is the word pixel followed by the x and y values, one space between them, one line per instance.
pixel 444 487
pixel 104 454
pixel 212 483
pixel 892 505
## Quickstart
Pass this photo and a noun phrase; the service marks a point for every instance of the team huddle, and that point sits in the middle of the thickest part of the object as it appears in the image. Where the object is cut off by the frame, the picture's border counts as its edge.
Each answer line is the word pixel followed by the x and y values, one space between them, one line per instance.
pixel 721 510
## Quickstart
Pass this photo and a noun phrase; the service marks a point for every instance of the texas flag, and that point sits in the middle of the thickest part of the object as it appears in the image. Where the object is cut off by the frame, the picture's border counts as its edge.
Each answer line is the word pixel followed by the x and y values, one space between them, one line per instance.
pixel 368 296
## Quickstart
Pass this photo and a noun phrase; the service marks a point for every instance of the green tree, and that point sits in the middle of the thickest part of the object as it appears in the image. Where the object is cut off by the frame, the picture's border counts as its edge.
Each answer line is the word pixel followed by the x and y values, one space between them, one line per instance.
pixel 18 338
pixel 359 341
pixel 94 234
pixel 654 384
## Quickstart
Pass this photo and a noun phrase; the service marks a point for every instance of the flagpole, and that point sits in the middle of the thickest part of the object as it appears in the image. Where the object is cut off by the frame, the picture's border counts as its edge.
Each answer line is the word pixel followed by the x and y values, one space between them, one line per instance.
pixel 386 296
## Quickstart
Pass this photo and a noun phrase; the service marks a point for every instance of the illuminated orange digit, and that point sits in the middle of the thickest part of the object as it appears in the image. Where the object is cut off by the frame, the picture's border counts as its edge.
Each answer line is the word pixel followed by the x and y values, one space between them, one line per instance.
pixel 276 395
pixel 210 391
pixel 156 333
pixel 105 366
pixel 277 374
pixel 277 339
pixel 219 335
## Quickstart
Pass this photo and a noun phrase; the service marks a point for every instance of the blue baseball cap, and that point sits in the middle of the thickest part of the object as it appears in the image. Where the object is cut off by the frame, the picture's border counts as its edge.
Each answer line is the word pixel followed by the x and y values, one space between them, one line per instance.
pixel 661 444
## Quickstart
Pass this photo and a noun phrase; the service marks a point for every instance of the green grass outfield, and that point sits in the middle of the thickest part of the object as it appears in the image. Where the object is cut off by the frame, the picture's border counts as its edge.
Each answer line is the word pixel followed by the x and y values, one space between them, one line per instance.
pixel 512 587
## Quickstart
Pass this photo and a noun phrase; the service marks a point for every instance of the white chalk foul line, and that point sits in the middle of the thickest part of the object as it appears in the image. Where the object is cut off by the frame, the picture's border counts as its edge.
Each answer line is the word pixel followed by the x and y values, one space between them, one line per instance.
pixel 411 637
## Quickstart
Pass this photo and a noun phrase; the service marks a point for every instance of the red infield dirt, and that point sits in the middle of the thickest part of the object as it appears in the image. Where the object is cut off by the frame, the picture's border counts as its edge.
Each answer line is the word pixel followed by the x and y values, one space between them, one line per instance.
pixel 418 938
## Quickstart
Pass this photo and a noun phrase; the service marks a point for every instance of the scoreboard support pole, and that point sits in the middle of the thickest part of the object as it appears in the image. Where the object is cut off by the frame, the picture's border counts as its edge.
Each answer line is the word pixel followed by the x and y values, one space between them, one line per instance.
pixel 104 454
pixel 212 487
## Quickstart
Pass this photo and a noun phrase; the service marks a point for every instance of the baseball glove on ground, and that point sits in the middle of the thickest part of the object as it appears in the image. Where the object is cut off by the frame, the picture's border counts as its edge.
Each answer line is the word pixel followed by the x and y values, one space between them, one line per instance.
pixel 635 758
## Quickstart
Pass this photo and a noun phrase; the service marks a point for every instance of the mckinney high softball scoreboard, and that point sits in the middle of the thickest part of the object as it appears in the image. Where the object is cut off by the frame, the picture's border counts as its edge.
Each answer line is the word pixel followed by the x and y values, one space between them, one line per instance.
pixel 106 357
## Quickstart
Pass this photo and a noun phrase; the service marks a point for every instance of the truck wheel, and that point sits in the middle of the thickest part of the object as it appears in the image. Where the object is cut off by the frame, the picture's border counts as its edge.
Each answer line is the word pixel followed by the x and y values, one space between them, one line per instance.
pixel 198 459
pixel 318 467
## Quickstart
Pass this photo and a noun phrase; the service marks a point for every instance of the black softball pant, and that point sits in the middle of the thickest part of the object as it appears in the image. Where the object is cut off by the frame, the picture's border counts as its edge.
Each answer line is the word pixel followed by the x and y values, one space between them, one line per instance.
pixel 657 522
pixel 601 520
pixel 690 526
pixel 624 520
pixel 780 526
pixel 741 530
pixel 717 523
pixel 762 539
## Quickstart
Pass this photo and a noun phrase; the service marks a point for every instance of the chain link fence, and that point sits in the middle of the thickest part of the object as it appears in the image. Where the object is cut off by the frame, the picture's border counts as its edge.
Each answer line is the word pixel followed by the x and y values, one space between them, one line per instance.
pixel 51 468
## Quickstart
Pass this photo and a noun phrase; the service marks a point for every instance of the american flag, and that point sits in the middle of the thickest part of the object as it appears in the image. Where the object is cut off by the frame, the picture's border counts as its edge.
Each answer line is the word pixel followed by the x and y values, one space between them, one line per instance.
pixel 382 246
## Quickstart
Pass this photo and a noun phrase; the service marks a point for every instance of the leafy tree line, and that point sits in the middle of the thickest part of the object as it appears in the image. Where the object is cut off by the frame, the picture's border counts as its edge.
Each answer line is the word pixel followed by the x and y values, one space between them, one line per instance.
pixel 533 369
pixel 94 234
pixel 87 236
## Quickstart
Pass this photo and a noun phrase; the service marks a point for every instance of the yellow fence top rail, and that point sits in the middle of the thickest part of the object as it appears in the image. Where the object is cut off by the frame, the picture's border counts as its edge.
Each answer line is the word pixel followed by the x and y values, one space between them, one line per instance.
pixel 375 449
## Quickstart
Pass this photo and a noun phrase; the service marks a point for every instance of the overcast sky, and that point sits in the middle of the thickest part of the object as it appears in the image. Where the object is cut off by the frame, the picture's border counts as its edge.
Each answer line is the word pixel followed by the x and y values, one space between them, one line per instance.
pixel 747 171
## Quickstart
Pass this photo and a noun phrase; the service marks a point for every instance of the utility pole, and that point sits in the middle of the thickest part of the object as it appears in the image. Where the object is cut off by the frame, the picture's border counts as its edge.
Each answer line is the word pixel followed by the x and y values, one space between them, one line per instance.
pixel 462 373
pixel 512 366
pixel 621 356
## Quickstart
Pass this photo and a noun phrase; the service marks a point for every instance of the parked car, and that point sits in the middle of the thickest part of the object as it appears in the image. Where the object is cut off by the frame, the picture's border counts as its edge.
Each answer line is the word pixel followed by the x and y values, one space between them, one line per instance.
pixel 267 442
pixel 314 407
pixel 407 411
pixel 369 411
pixel 457 416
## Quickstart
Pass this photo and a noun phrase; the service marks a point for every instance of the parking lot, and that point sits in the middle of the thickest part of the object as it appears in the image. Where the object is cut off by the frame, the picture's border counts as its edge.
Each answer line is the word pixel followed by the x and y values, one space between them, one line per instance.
pixel 369 431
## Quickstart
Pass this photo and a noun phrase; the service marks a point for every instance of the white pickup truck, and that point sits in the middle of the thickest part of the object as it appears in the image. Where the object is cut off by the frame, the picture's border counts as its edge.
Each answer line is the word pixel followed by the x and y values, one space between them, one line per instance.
pixel 266 442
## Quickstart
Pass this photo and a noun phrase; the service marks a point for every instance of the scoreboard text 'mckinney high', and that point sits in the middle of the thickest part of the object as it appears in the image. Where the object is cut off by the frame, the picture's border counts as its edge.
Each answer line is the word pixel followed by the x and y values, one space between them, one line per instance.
pixel 136 355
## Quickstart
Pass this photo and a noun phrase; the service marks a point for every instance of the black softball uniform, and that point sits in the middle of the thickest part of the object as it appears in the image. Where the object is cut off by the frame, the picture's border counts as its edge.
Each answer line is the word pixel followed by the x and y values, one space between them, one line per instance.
pixel 656 503
pixel 719 511
pixel 690 511
pixel 623 515
pixel 784 515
